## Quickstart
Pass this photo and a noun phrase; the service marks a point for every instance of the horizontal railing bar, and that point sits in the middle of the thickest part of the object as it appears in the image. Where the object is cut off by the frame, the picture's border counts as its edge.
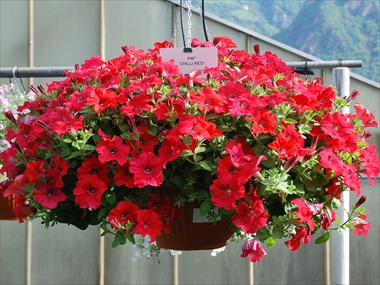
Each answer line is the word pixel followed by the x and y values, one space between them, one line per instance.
pixel 28 72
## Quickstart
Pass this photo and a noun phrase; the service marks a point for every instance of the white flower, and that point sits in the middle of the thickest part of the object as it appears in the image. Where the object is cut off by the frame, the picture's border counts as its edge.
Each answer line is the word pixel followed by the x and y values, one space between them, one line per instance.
pixel 216 251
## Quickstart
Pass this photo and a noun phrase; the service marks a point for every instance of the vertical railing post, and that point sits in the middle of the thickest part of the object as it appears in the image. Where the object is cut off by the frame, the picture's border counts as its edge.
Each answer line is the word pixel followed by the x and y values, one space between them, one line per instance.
pixel 28 277
pixel 340 243
pixel 102 49
pixel 326 246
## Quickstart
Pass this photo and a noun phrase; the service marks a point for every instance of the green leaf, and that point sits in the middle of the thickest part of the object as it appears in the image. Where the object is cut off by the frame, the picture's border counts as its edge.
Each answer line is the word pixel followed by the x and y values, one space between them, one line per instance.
pixel 199 149
pixel 110 198
pixel 186 153
pixel 271 242
pixel 335 203
pixel 187 140
pixel 89 147
pixel 323 238
pixel 263 234
pixel 67 140
pixel 73 155
pixel 290 121
pixel 153 130
pixel 205 165
pixel 119 239
pixel 131 238
pixel 205 207
pixel 278 233
pixel 102 213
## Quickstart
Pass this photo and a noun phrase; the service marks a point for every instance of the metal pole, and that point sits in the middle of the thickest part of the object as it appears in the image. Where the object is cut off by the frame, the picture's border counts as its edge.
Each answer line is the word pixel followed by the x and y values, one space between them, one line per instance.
pixel 325 64
pixel 102 48
pixel 29 228
pixel 326 246
pixel 251 278
pixel 340 243
pixel 29 72
pixel 175 268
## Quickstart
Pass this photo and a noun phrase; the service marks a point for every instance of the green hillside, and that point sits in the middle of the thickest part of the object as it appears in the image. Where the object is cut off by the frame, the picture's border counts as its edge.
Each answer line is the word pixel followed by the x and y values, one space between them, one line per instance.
pixel 329 29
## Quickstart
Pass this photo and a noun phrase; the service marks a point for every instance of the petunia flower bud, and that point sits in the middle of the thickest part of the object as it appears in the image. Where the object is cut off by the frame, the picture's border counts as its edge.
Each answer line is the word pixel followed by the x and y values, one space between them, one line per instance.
pixel 253 250
pixel 360 201
pixel 256 49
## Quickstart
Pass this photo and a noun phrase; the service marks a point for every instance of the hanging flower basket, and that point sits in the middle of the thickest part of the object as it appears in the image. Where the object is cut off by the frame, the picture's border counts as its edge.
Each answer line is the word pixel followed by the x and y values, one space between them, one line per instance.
pixel 13 208
pixel 265 154
pixel 190 231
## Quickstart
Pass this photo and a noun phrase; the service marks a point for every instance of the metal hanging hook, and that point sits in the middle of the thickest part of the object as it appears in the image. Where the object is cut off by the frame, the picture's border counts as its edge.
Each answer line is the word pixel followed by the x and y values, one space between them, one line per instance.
pixel 189 23
pixel 15 76
pixel 204 21
pixel 181 18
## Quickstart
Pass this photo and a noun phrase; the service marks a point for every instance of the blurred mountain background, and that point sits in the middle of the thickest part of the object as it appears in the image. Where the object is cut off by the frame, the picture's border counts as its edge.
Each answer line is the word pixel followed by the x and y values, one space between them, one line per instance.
pixel 329 29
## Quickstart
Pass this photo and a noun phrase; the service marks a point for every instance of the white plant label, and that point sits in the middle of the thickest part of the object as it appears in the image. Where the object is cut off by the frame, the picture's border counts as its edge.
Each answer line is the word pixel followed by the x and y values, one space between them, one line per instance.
pixel 198 59
pixel 198 218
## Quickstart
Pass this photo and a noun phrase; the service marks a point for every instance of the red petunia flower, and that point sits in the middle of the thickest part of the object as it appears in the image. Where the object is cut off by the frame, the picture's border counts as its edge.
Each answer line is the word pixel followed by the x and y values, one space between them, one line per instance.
pixel 361 226
pixel 331 161
pixel 208 100
pixel 21 207
pixel 169 152
pixel 225 191
pixel 301 234
pixel 198 128
pixel 250 218
pixel 334 190
pixel 263 121
pixel 148 223
pixel 147 169
pixel 351 178
pixel 102 99
pixel 367 118
pixel 305 212
pixel 288 143
pixel 17 186
pixel 243 105
pixel 113 150
pixel 242 172
pixel 124 178
pixel 136 105
pixel 163 206
pixel 370 163
pixel 48 196
pixel 89 191
pixel 92 165
pixel 124 212
pixel 327 218
pixel 340 132
pixel 61 121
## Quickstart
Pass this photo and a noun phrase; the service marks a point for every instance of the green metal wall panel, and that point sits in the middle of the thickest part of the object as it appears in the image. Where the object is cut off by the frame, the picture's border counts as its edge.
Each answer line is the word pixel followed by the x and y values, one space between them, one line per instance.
pixel 64 255
pixel 136 23
pixel 12 253
pixel 13 51
pixel 122 268
pixel 281 266
pixel 199 267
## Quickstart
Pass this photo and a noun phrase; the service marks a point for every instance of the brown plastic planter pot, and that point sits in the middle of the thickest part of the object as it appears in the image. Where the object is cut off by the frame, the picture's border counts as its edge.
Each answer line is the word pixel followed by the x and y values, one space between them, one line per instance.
pixel 187 235
pixel 6 208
